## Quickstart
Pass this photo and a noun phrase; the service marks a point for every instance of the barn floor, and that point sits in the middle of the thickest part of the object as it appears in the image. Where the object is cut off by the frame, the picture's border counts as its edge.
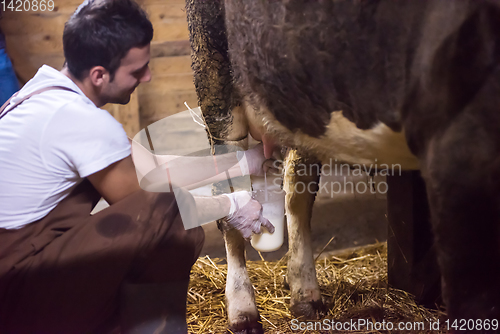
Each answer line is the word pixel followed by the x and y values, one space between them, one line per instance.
pixel 353 284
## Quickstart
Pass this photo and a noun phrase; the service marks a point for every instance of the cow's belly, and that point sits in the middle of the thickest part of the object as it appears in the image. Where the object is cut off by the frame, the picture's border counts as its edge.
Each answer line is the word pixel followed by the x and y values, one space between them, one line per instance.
pixel 345 142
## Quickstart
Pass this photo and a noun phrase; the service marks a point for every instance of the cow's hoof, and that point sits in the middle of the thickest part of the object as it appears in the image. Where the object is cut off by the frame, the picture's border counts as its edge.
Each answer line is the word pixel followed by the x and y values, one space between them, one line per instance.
pixel 308 310
pixel 245 325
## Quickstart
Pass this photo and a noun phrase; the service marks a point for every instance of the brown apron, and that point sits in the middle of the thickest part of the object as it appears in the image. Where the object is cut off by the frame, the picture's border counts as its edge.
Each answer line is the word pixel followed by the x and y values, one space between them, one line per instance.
pixel 62 273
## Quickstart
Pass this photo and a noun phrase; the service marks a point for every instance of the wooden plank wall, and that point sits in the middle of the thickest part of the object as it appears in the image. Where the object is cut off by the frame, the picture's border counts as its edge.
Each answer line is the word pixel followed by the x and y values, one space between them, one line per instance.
pixel 35 38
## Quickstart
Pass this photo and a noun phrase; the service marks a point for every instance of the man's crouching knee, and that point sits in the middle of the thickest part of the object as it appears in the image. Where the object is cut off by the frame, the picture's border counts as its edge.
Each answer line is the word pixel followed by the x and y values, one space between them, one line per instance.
pixel 169 250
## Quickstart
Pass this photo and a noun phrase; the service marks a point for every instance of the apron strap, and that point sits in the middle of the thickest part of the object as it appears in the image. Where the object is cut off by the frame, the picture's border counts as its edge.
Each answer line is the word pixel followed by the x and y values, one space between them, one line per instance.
pixel 6 104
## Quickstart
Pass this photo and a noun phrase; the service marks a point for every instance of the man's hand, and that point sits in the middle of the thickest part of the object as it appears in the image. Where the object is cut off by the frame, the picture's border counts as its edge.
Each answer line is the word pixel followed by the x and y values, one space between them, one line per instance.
pixel 247 216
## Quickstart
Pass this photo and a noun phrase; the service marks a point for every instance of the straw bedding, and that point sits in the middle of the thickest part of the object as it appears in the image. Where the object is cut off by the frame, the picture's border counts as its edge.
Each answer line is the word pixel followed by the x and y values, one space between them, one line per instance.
pixel 353 285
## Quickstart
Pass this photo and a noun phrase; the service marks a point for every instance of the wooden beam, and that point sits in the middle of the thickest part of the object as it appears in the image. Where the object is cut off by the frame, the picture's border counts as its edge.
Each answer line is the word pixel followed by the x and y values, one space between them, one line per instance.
pixel 161 66
pixel 155 106
pixel 170 48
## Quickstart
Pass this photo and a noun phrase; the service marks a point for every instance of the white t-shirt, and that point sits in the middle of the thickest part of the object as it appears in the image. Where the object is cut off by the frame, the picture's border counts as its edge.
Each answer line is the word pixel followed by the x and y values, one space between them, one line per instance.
pixel 48 144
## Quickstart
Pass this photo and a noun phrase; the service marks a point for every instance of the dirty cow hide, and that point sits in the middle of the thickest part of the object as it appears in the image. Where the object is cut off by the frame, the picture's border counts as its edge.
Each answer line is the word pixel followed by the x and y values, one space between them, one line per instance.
pixel 415 82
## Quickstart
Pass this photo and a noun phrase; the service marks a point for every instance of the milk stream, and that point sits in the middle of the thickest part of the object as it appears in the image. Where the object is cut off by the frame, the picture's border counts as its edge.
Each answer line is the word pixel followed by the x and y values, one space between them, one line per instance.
pixel 272 199
pixel 266 199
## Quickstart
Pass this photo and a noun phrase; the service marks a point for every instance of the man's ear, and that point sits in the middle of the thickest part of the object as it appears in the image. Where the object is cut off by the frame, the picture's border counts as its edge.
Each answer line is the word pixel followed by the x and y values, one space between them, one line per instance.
pixel 98 75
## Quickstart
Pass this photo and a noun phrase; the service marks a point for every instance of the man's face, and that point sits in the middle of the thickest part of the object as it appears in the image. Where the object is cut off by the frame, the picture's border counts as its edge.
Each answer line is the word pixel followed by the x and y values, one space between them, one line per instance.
pixel 133 70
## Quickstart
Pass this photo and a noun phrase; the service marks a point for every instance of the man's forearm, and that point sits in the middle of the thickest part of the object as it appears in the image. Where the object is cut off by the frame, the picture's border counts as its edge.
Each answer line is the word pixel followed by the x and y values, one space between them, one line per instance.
pixel 212 208
pixel 183 171
pixel 199 171
pixel 233 172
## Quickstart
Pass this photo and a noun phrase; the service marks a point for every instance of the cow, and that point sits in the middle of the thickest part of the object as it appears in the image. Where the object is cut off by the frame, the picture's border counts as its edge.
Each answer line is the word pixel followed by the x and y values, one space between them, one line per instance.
pixel 415 83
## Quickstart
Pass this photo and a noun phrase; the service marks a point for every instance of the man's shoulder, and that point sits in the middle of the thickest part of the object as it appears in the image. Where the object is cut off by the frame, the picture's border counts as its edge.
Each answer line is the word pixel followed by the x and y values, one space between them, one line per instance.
pixel 50 82
pixel 84 115
pixel 68 108
pixel 54 104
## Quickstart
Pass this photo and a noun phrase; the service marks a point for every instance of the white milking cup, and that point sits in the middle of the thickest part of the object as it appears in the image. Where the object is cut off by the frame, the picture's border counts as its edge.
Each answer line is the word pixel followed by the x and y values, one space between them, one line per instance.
pixel 273 208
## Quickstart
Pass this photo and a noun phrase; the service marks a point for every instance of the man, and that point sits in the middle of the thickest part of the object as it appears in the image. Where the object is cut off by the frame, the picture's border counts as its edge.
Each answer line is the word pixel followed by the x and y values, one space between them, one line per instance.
pixel 62 270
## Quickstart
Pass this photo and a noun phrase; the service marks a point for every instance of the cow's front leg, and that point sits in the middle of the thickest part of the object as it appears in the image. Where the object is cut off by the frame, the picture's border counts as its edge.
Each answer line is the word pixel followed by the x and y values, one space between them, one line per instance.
pixel 243 317
pixel 300 193
pixel 463 184
pixel 242 314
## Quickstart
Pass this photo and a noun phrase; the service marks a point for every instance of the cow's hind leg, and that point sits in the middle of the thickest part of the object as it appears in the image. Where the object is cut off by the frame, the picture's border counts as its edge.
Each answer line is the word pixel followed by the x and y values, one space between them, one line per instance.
pixel 462 172
pixel 243 317
pixel 301 187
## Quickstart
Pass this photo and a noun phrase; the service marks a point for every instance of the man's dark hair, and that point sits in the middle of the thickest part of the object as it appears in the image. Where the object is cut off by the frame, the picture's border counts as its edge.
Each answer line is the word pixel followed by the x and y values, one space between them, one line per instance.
pixel 101 32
